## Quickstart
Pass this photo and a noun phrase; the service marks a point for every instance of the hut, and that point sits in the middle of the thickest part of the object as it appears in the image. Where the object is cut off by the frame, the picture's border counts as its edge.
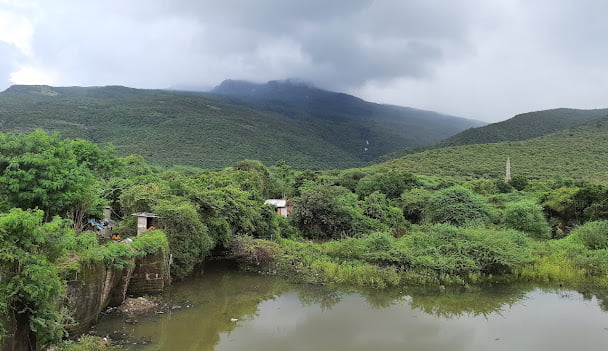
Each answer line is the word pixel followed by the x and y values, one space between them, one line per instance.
pixel 145 220
pixel 282 206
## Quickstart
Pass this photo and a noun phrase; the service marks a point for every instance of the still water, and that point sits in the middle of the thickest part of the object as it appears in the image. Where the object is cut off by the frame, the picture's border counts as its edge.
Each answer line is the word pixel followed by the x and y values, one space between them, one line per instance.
pixel 225 309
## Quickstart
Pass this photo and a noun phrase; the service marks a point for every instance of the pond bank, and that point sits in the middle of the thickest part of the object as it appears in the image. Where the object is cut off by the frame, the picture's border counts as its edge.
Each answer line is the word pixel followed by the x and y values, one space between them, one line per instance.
pixel 227 309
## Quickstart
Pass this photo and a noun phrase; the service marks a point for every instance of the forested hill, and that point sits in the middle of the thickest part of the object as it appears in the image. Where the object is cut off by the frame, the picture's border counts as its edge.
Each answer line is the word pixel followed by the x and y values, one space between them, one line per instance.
pixel 577 153
pixel 170 128
pixel 525 126
pixel 371 129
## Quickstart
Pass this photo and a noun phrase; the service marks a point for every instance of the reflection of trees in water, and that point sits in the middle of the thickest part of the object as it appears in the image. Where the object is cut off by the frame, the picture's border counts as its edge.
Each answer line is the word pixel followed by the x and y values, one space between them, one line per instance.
pixel 381 298
pixel 478 301
pixel 222 296
pixel 601 294
pixel 315 294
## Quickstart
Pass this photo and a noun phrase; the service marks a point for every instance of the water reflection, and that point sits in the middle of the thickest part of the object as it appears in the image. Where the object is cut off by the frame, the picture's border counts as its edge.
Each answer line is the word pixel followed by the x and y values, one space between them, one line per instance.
pixel 275 315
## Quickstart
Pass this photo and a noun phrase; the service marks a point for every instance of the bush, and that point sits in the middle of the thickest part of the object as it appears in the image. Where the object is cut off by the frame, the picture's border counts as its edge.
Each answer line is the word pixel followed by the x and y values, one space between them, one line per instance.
pixel 527 216
pixel 454 251
pixel 519 182
pixel 457 206
pixel 189 239
pixel 253 251
pixel 324 211
pixel 391 184
pixel 87 343
pixel 593 234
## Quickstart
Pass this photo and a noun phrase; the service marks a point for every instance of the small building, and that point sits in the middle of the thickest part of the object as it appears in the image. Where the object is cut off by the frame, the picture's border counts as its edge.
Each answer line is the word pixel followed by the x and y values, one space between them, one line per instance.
pixel 145 220
pixel 283 206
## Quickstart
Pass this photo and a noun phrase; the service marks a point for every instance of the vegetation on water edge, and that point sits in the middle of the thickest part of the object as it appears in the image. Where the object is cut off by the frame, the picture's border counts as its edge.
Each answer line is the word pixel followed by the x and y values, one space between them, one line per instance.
pixel 87 343
pixel 375 227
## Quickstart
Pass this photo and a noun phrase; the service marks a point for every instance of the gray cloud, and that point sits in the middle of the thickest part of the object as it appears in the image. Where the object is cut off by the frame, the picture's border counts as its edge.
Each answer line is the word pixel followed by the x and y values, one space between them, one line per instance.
pixel 482 59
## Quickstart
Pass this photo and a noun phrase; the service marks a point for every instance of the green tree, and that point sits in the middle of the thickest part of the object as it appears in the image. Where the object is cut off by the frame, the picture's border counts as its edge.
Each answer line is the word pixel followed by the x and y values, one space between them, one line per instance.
pixel 29 251
pixel 457 206
pixel 527 216
pixel 391 184
pixel 39 170
pixel 324 211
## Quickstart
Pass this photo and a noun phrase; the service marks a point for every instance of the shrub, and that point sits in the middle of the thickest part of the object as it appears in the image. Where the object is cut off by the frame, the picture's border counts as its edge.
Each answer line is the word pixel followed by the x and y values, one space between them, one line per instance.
pixel 391 184
pixel 324 211
pixel 450 250
pixel 457 206
pixel 519 182
pixel 189 239
pixel 253 251
pixel 527 216
pixel 87 343
pixel 593 234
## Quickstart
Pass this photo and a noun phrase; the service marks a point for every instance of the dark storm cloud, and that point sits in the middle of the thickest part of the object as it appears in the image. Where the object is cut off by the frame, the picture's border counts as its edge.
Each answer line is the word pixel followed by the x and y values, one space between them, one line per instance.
pixel 343 43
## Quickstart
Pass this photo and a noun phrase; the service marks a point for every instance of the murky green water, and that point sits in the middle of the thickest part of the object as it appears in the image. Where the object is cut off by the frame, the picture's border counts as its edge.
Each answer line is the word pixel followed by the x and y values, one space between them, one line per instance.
pixel 275 315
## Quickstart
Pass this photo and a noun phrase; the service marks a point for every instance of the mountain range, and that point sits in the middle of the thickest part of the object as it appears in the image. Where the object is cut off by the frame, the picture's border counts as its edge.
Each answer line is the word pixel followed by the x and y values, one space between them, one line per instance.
pixel 306 126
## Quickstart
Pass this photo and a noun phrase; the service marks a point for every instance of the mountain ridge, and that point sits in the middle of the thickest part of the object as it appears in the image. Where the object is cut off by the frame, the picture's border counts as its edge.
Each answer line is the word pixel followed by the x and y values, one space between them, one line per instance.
pixel 204 130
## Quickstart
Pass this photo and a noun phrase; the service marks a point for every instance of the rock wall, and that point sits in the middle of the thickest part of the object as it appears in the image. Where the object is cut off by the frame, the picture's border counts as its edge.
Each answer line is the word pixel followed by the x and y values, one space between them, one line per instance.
pixel 151 274
pixel 91 290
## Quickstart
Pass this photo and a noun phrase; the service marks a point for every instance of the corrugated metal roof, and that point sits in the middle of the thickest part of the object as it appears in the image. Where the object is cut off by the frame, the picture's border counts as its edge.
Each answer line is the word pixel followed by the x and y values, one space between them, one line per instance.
pixel 144 214
pixel 276 202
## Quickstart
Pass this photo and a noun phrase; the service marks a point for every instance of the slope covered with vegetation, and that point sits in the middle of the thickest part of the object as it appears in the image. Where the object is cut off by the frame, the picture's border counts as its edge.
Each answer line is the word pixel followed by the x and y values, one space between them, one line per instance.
pixel 521 127
pixel 578 153
pixel 173 128
pixel 525 126
pixel 369 129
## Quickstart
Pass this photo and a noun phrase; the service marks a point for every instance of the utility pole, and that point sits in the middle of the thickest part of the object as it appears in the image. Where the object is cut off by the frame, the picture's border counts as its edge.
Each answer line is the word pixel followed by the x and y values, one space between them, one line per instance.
pixel 508 171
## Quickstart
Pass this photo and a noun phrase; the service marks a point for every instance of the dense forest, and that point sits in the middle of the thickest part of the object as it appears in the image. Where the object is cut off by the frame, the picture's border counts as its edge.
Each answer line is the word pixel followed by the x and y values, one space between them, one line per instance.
pixel 377 226
pixel 211 131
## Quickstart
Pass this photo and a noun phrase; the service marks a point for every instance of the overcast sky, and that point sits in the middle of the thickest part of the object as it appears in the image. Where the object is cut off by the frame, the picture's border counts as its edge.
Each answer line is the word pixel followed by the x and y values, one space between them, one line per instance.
pixel 482 59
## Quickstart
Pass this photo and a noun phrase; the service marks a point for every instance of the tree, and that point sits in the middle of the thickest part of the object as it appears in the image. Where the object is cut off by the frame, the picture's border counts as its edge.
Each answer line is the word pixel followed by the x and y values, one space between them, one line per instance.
pixel 40 170
pixel 519 182
pixel 29 251
pixel 324 211
pixel 391 184
pixel 527 216
pixel 457 206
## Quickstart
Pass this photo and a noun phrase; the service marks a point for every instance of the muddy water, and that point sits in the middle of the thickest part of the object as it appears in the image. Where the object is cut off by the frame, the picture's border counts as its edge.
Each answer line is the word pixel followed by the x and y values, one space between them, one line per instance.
pixel 229 310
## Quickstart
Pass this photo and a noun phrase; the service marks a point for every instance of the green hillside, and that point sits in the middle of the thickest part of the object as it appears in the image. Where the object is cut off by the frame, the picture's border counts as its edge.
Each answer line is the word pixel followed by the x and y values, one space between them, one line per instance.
pixel 521 127
pixel 368 129
pixel 170 128
pixel 525 126
pixel 579 153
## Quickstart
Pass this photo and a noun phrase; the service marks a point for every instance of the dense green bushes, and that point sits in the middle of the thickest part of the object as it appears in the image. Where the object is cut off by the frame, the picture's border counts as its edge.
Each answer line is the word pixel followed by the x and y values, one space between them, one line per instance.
pixel 324 211
pixel 29 252
pixel 527 216
pixel 370 227
pixel 594 235
pixel 458 206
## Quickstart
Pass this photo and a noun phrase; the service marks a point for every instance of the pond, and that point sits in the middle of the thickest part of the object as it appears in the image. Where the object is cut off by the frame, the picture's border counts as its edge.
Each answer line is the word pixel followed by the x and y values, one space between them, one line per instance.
pixel 227 309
